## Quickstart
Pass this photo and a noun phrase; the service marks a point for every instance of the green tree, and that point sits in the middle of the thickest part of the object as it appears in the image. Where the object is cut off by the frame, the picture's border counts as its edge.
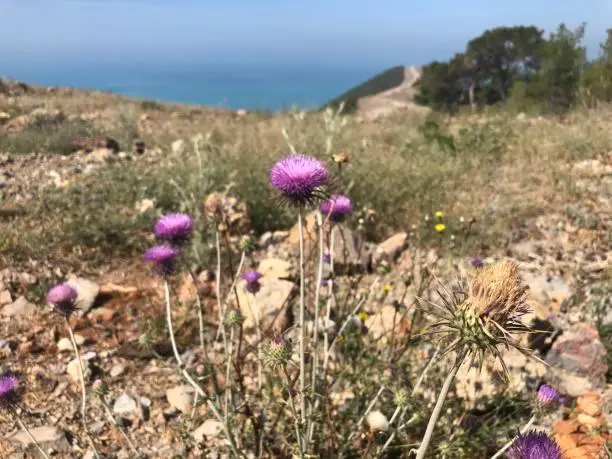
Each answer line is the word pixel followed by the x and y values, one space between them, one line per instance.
pixel 443 85
pixel 556 85
pixel 501 56
pixel 597 76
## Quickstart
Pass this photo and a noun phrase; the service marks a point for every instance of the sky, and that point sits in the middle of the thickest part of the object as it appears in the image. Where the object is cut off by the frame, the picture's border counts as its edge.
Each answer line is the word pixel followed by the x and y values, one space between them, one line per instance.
pixel 331 32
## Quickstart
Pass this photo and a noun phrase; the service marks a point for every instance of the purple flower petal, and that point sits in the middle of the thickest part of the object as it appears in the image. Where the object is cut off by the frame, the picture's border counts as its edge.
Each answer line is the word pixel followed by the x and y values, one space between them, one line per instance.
pixel 337 207
pixel 298 177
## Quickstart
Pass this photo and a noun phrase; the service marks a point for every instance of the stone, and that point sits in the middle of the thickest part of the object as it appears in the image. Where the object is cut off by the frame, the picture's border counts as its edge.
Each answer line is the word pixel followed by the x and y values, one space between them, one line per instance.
pixel 65 345
pixel 181 397
pixel 124 405
pixel 476 387
pixel 101 155
pixel 103 314
pixel 117 370
pixel 5 297
pixel 271 302
pixel 310 233
pixel 276 268
pixel 21 307
pixel 384 323
pixel 350 252
pixel 390 249
pixel 145 206
pixel 87 292
pixel 210 428
pixel 74 372
pixel 178 146
pixel 570 384
pixel 580 351
pixel 549 291
pixel 48 437
pixel 377 421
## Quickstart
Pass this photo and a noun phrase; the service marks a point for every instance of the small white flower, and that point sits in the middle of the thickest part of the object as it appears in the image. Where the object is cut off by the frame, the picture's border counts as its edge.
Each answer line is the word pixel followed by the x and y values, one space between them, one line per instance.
pixel 377 421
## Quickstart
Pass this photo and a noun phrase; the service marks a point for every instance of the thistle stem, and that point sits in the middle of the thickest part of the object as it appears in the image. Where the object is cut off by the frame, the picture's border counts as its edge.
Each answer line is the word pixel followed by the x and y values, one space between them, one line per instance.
pixel 199 308
pixel 220 305
pixel 296 419
pixel 302 347
pixel 525 428
pixel 190 380
pixel 315 331
pixel 83 387
pixel 256 315
pixel 29 434
pixel 228 375
pixel 438 407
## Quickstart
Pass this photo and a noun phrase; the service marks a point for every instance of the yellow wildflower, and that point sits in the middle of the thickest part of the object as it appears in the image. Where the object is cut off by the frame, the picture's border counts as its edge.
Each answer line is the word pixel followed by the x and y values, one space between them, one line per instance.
pixel 440 227
pixel 439 214
pixel 387 288
pixel 363 316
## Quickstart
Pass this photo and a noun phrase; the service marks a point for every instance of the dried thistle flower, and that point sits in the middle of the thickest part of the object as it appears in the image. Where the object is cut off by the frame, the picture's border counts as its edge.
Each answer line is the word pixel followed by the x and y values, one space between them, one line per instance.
pixel 534 445
pixel 62 298
pixel 486 315
pixel 277 353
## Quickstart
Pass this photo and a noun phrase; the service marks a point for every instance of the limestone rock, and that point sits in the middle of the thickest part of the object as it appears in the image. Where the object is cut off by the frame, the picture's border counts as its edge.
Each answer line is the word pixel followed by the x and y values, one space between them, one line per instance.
pixel 390 249
pixel 48 437
pixel 271 301
pixel 580 352
pixel 181 397
pixel 210 428
pixel 87 292
pixel 276 268
pixel 19 308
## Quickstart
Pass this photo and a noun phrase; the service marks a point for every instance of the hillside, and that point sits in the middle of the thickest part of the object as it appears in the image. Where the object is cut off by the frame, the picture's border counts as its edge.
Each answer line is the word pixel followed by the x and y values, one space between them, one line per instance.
pixel 84 176
pixel 382 94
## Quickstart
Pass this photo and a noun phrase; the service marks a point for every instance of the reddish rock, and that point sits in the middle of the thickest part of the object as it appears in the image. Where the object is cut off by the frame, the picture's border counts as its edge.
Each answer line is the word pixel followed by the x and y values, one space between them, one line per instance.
pixel 581 352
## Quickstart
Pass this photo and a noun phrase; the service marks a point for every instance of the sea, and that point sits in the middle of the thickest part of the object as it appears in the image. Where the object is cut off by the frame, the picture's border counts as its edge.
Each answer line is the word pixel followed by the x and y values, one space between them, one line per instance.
pixel 251 86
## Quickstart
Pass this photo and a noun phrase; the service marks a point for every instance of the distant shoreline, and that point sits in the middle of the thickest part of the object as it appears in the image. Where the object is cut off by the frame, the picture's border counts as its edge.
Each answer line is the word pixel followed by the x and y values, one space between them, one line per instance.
pixel 271 89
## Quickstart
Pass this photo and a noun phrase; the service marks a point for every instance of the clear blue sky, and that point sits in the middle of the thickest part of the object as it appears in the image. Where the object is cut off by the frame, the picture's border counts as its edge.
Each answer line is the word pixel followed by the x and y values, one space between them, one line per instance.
pixel 383 32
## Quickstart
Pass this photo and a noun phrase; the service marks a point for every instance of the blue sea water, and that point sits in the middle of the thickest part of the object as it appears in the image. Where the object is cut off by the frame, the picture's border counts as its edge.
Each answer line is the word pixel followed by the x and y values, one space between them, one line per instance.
pixel 250 86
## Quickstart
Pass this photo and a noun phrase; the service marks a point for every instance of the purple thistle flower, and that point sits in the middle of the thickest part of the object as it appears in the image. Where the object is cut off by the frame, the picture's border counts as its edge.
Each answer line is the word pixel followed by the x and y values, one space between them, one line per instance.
pixel 534 445
pixel 62 298
pixel 326 257
pixel 8 389
pixel 478 262
pixel 298 177
pixel 174 227
pixel 547 396
pixel 252 281
pixel 162 256
pixel 337 207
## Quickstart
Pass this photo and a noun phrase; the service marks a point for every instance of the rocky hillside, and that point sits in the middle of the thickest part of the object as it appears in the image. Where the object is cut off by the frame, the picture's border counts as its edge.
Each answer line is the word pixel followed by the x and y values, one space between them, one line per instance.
pixel 83 176
pixel 385 93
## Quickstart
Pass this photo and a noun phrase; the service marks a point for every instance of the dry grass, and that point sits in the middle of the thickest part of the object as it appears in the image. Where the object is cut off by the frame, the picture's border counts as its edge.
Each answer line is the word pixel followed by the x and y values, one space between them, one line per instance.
pixel 499 170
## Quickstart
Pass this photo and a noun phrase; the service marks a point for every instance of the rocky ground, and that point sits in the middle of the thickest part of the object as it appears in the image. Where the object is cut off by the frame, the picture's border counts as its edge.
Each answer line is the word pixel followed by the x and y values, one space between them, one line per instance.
pixel 565 258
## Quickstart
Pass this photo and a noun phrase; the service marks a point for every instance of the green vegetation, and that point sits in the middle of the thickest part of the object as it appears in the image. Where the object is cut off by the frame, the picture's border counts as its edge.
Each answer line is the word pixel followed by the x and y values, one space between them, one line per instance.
pixel 520 68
